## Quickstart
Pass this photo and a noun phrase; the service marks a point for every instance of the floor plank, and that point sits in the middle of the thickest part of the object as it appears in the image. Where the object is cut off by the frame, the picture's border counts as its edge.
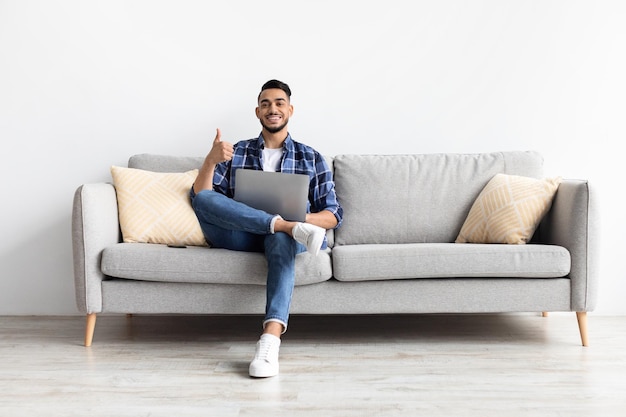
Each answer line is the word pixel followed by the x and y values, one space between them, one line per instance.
pixel 405 365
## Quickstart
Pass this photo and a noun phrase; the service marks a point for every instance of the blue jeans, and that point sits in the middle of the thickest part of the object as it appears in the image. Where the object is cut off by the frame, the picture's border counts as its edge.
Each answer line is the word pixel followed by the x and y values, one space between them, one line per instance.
pixel 229 224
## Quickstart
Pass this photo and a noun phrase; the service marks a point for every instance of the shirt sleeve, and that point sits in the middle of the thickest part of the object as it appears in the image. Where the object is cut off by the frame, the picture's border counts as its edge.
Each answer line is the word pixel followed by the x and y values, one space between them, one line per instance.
pixel 324 195
pixel 221 175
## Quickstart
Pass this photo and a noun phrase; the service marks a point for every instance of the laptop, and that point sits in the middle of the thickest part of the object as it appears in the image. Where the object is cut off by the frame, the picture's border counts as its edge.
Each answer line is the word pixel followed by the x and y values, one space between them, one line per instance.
pixel 273 192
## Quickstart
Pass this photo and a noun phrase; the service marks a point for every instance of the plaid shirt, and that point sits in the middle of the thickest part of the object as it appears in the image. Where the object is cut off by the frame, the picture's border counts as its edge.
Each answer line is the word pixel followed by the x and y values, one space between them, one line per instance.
pixel 297 159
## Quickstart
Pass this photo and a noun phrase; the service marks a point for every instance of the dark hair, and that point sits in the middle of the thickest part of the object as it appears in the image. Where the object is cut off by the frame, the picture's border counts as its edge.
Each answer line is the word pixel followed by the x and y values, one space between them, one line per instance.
pixel 276 84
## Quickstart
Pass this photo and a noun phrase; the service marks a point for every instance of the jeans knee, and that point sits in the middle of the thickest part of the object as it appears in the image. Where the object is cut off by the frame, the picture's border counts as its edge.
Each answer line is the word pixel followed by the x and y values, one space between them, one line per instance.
pixel 203 199
pixel 280 243
pixel 206 204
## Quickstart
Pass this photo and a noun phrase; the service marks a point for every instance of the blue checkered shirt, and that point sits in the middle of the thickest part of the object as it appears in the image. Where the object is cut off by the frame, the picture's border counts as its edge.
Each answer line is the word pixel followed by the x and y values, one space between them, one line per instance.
pixel 297 159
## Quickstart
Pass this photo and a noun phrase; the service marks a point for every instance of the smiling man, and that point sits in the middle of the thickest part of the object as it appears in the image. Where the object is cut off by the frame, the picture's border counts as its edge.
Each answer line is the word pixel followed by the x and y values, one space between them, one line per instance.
pixel 230 224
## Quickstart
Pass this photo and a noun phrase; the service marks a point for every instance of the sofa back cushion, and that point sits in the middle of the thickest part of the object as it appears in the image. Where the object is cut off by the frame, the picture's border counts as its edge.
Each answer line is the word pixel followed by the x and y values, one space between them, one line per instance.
pixel 417 198
pixel 170 163
pixel 164 163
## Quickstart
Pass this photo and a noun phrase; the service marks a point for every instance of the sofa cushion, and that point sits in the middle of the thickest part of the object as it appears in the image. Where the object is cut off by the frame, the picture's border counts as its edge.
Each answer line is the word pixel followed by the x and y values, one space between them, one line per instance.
pixel 446 260
pixel 508 209
pixel 149 262
pixel 417 198
pixel 164 163
pixel 154 207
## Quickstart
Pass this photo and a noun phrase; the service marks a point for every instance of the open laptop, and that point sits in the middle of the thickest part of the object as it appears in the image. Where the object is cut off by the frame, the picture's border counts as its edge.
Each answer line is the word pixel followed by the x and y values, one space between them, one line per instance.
pixel 273 192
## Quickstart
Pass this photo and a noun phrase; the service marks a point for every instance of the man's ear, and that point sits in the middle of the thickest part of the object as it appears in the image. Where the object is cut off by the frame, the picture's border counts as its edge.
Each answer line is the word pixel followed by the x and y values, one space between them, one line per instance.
pixel 256 111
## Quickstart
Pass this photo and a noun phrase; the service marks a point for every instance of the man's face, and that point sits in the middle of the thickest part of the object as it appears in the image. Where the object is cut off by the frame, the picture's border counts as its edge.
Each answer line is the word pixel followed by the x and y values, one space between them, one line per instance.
pixel 274 109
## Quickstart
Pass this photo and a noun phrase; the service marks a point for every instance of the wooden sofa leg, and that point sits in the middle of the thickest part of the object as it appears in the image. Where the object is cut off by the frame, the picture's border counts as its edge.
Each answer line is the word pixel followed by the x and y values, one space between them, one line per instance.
pixel 544 314
pixel 582 326
pixel 89 328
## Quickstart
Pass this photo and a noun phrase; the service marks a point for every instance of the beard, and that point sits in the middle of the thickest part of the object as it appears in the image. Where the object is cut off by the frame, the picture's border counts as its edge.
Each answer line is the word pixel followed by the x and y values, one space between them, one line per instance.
pixel 273 129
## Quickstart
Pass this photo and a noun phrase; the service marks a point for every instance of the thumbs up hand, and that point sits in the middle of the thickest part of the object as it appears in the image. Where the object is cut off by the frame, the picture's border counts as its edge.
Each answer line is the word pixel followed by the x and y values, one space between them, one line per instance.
pixel 221 151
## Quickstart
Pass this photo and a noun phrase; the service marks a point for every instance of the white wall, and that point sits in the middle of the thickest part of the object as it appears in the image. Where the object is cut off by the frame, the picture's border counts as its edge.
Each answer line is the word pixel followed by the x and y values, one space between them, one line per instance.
pixel 86 84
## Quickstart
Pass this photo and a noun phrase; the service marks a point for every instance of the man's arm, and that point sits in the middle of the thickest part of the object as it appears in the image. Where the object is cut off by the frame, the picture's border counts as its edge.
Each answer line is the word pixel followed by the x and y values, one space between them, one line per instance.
pixel 326 210
pixel 324 219
pixel 220 152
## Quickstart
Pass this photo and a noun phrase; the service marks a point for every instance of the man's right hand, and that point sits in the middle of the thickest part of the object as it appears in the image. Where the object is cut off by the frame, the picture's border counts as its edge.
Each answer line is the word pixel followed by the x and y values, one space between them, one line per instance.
pixel 221 151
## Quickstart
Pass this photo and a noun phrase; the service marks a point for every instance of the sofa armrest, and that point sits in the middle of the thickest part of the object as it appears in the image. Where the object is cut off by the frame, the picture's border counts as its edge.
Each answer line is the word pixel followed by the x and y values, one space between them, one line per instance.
pixel 572 223
pixel 95 225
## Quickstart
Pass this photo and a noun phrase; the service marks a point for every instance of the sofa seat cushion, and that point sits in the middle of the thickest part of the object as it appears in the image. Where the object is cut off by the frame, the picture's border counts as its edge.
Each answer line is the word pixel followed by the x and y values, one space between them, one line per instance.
pixel 446 260
pixel 155 262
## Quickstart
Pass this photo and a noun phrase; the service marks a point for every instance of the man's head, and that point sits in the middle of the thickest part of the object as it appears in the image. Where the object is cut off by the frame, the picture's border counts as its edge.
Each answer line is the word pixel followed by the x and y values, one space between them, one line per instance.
pixel 274 106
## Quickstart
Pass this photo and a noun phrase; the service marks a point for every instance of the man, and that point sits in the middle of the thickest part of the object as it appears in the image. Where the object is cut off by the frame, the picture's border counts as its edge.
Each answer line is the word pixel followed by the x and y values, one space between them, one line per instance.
pixel 229 224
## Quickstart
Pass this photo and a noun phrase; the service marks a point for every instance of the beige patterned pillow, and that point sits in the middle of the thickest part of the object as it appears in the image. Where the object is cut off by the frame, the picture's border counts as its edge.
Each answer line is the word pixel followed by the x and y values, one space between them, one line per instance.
pixel 508 209
pixel 154 207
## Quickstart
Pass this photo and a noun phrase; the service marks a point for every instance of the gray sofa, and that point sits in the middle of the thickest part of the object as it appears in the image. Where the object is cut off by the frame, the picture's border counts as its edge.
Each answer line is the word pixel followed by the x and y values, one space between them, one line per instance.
pixel 394 254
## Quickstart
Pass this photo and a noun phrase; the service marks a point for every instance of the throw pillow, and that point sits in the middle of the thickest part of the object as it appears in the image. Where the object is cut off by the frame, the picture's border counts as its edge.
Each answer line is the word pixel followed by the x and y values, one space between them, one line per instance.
pixel 508 209
pixel 154 207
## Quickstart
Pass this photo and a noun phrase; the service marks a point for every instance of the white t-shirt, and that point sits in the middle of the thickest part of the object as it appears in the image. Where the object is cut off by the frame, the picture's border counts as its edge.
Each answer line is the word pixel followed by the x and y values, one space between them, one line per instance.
pixel 272 158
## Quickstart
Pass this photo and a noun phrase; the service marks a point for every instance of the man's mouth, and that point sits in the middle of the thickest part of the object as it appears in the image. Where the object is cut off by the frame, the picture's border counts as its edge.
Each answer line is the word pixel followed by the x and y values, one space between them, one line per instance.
pixel 274 118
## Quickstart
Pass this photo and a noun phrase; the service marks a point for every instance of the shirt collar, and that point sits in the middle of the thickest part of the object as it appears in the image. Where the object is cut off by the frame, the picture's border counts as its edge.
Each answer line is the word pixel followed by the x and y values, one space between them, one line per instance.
pixel 287 144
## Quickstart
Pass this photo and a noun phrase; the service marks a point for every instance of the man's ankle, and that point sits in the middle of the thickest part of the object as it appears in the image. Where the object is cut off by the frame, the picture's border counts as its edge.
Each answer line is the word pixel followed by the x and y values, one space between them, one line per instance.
pixel 282 225
pixel 273 223
pixel 274 328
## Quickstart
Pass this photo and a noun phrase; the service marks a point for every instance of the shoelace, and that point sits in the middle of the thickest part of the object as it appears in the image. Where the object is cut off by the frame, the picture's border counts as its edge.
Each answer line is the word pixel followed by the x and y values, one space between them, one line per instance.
pixel 265 349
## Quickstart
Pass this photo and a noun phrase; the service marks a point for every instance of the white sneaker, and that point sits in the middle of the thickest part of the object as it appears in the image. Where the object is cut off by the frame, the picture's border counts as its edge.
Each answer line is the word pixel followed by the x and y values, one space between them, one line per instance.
pixel 265 362
pixel 310 236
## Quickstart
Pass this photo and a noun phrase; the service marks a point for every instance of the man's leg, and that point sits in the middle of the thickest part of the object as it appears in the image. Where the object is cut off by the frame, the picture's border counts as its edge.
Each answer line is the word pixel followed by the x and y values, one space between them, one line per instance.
pixel 229 224
pixel 280 252
pixel 219 216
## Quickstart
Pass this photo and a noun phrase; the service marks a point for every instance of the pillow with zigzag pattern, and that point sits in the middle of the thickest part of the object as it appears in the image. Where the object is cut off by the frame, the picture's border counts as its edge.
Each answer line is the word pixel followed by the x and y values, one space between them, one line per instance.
pixel 154 207
pixel 508 209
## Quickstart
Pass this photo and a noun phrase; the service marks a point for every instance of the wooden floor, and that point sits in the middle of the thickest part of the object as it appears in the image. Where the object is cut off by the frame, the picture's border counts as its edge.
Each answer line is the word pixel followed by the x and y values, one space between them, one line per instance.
pixel 424 365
